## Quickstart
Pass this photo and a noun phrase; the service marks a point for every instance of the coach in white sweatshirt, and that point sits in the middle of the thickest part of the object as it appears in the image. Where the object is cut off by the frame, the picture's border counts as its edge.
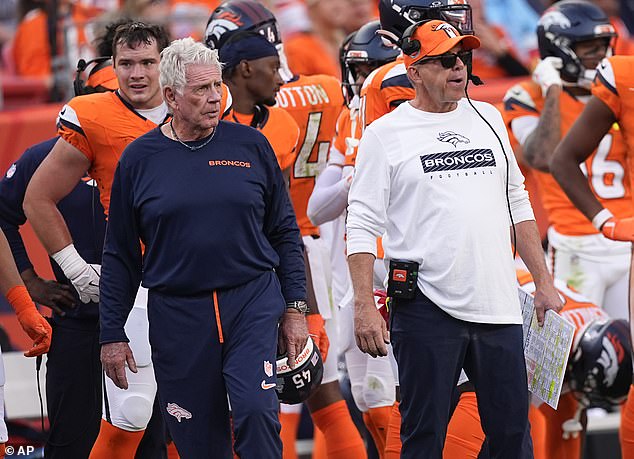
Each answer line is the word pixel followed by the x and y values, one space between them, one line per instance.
pixel 440 183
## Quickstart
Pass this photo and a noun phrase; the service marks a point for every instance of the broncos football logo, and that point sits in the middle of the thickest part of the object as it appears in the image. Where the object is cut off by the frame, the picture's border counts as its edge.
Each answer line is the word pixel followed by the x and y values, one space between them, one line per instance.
pixel 220 25
pixel 178 412
pixel 554 18
pixel 452 138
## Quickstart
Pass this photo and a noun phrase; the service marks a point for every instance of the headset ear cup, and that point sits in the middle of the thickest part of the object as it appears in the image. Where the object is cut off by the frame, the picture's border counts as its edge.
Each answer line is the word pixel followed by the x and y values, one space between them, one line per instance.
pixel 410 46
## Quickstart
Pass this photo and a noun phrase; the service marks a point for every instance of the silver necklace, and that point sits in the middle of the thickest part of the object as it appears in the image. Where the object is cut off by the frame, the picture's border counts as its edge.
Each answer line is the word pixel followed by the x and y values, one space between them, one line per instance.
pixel 211 136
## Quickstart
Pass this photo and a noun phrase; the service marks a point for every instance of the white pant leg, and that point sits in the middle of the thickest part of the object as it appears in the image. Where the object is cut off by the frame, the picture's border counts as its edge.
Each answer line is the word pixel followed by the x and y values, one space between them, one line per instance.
pixel 131 409
pixel 372 380
pixel 593 265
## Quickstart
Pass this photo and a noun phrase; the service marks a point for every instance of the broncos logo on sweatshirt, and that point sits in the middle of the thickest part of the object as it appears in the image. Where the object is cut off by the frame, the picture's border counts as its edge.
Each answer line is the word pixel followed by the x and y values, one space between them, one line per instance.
pixel 452 138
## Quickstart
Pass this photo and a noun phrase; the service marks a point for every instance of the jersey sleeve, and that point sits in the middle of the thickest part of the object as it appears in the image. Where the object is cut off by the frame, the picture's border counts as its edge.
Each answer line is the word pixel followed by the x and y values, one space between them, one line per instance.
pixel 605 88
pixel 74 128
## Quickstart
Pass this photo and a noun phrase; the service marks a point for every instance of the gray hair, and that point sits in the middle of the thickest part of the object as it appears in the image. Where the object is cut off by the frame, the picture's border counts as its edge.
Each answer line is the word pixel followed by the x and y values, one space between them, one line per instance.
pixel 178 55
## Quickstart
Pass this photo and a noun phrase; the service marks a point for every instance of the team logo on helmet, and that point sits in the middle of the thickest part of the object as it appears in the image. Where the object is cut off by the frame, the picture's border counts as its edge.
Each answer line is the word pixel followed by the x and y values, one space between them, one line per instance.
pixel 452 138
pixel 551 18
pixel 178 412
pixel 611 355
pixel 226 21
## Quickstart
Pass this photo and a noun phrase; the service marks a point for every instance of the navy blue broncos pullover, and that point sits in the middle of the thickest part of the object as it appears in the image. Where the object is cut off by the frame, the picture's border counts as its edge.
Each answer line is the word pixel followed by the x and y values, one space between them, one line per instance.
pixel 209 219
pixel 81 210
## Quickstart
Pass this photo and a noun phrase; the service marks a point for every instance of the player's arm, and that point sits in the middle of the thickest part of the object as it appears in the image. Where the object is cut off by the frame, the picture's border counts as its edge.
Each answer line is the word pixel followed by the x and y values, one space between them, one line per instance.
pixel 29 317
pixel 540 144
pixel 56 177
pixel 12 189
pixel 583 138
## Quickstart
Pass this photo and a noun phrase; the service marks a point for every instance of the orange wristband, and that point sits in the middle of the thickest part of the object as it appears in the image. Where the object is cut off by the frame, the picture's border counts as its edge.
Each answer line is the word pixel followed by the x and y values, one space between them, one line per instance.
pixel 20 299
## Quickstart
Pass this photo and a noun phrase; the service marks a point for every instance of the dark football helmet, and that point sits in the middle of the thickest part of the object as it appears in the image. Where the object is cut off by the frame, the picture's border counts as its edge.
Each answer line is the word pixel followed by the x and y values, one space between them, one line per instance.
pixel 364 46
pixel 569 22
pixel 239 15
pixel 236 15
pixel 397 15
pixel 296 385
pixel 599 370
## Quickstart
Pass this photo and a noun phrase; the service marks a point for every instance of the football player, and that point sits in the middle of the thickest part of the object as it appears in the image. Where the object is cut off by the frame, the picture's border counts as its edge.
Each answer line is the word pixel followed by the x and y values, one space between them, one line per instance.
pixel 32 322
pixel 251 71
pixel 611 103
pixel 573 37
pixel 372 380
pixel 314 102
pixel 94 130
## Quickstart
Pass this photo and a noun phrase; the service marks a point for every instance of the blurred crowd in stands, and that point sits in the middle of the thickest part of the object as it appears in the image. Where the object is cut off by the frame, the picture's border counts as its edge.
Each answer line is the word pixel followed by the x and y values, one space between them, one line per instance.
pixel 44 39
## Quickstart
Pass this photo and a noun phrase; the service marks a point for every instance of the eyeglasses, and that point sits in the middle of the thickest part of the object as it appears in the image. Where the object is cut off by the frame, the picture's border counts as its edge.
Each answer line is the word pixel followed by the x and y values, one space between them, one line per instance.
pixel 448 60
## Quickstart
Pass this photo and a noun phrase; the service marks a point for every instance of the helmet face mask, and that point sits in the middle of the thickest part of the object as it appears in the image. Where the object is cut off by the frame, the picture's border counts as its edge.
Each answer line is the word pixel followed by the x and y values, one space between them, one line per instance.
pixel 362 52
pixel 600 367
pixel 398 15
pixel 566 24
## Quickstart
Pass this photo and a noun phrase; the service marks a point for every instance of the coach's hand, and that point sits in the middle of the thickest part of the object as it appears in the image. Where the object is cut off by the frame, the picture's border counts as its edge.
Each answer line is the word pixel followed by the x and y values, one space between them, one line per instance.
pixel 619 229
pixel 114 357
pixel 292 335
pixel 370 330
pixel 546 297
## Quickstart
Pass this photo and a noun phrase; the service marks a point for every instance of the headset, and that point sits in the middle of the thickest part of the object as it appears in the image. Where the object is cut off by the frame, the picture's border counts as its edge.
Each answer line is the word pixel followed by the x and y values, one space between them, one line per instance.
pixel 79 85
pixel 411 46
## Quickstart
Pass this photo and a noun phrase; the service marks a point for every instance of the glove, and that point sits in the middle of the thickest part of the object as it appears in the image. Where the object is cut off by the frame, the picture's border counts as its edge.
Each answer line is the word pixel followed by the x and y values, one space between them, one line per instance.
pixel 317 332
pixel 546 74
pixel 619 229
pixel 84 277
pixel 32 322
pixel 380 298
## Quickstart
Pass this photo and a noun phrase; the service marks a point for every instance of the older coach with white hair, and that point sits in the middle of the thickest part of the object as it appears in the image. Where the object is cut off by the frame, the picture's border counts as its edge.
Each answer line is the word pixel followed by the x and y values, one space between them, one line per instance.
pixel 200 214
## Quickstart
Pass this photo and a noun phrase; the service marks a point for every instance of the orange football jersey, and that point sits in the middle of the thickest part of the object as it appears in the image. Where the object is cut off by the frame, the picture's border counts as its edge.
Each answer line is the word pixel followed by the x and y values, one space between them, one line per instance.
pixel 613 86
pixel 278 127
pixel 605 168
pixel 384 90
pixel 101 125
pixel 314 102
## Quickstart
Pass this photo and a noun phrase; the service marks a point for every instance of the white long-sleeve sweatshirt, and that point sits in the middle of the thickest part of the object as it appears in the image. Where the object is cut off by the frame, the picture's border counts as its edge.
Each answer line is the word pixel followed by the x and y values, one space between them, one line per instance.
pixel 433 185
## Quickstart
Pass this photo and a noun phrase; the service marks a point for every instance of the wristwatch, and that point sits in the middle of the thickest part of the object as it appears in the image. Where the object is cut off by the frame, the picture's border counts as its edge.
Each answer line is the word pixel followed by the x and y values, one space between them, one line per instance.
pixel 299 305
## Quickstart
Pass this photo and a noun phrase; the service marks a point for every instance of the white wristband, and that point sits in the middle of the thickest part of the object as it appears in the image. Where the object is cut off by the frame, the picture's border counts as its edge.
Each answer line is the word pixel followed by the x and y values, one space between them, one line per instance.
pixel 600 218
pixel 70 261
